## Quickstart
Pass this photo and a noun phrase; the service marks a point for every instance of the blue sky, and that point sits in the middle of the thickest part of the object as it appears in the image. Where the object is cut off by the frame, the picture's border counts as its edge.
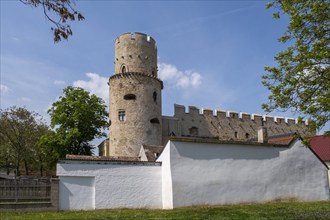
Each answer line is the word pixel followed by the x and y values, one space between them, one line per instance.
pixel 211 54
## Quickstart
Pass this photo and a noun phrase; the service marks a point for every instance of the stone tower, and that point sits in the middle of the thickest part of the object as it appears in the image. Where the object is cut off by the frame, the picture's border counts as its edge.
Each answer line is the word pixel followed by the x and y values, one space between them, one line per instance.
pixel 135 96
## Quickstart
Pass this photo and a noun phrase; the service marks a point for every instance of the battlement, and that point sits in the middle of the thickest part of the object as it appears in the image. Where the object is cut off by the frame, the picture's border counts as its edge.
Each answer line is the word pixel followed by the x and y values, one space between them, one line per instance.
pixel 243 116
pixel 136 36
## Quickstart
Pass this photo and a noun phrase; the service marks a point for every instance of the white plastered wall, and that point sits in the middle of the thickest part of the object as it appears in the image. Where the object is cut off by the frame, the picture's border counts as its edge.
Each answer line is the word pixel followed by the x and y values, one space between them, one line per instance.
pixel 113 185
pixel 205 173
pixel 167 191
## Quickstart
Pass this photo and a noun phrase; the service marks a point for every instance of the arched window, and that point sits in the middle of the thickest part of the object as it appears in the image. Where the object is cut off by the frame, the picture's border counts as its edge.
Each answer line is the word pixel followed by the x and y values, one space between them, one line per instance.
pixel 123 69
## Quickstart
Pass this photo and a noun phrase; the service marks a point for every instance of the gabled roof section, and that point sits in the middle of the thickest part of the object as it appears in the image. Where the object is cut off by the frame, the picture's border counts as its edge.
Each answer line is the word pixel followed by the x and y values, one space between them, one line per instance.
pixel 321 146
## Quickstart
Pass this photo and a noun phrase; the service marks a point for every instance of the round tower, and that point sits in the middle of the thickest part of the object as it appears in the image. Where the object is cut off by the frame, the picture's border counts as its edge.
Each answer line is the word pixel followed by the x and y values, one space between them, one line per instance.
pixel 135 96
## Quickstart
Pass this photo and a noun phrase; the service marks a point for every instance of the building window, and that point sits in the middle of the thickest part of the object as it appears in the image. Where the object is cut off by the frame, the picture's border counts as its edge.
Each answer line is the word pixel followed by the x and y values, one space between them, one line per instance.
pixel 129 97
pixel 154 95
pixel 247 135
pixel 193 131
pixel 121 116
pixel 236 135
pixel 123 69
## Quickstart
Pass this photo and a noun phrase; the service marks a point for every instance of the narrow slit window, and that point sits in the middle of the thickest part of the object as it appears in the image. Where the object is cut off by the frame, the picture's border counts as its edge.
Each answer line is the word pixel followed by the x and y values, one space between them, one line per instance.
pixel 236 134
pixel 154 95
pixel 121 115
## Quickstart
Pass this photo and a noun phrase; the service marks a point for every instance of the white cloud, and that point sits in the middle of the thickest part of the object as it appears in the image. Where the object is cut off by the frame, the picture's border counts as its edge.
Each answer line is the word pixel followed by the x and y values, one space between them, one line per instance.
pixel 59 82
pixel 4 88
pixel 183 79
pixel 96 85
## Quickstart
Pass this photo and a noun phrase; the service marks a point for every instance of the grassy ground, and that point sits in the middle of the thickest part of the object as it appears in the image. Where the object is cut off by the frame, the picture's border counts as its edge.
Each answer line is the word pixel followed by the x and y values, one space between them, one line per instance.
pixel 294 210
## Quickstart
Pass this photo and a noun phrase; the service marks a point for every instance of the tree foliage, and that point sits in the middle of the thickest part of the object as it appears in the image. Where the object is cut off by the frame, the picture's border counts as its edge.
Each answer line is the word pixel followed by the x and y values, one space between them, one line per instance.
pixel 20 132
pixel 301 80
pixel 58 12
pixel 77 118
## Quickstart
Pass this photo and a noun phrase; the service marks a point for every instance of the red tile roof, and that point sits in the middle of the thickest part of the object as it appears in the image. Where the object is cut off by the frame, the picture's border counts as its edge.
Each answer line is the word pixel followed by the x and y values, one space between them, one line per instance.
pixel 286 140
pixel 321 146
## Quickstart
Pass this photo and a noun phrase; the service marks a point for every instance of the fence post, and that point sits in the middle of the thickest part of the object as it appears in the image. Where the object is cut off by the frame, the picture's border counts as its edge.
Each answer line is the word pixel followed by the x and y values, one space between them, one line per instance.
pixel 54 193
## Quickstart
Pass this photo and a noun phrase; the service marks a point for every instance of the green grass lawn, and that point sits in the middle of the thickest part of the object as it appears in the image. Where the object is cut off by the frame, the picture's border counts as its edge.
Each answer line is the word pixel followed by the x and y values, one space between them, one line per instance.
pixel 288 210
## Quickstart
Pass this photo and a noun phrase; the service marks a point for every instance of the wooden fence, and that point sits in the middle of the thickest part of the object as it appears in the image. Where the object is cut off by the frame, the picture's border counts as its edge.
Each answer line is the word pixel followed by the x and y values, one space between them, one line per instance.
pixel 25 190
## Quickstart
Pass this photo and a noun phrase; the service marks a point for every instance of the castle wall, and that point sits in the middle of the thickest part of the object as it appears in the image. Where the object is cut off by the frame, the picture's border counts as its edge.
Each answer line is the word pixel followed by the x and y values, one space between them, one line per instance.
pixel 195 172
pixel 170 127
pixel 142 122
pixel 88 185
pixel 228 125
pixel 211 173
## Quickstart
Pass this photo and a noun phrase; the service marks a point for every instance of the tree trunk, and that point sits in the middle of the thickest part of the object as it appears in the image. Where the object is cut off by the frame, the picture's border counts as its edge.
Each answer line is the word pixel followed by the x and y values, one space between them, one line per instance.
pixel 17 173
pixel 26 168
pixel 41 170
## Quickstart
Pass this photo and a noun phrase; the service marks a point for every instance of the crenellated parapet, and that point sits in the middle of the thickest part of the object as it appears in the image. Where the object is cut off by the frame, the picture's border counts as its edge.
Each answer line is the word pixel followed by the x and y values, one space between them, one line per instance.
pixel 137 37
pixel 221 114
pixel 227 125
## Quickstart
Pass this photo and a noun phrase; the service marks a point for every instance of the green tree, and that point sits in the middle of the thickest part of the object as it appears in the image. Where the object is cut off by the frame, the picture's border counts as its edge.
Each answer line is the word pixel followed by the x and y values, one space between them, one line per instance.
pixel 7 160
pixel 301 80
pixel 58 12
pixel 77 118
pixel 20 131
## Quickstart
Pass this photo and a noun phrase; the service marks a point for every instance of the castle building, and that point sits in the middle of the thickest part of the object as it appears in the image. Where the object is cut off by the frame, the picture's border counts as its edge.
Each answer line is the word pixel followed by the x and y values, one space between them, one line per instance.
pixel 136 108
pixel 189 159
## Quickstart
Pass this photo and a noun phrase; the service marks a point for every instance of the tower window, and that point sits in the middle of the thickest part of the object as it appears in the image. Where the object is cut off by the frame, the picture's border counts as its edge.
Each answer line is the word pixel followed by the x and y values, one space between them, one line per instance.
pixel 154 95
pixel 154 121
pixel 123 69
pixel 121 116
pixel 129 97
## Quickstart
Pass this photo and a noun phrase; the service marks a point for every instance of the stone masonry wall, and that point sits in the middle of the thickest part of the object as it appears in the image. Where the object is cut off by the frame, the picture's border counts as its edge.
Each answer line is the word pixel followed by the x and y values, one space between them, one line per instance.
pixel 139 96
pixel 135 96
pixel 137 52
pixel 226 125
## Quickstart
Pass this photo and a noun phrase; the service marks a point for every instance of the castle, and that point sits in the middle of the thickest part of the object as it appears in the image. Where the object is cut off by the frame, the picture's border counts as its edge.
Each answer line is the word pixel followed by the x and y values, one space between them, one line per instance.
pixel 136 108
pixel 192 158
